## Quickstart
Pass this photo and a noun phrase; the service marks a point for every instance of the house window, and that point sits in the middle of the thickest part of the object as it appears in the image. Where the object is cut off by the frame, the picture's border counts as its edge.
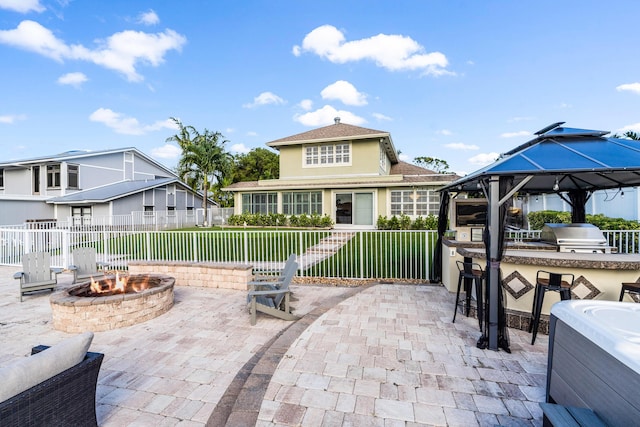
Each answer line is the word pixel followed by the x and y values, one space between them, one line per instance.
pixel 311 155
pixel 72 177
pixel 1 177
pixel 53 176
pixel 263 203
pixel 327 154
pixel 415 202
pixel 297 203
pixel 81 215
pixel 171 211
pixel 148 210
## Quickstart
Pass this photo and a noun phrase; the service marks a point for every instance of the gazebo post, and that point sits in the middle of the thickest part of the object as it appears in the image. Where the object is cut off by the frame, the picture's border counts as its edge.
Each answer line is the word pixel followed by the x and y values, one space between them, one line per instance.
pixel 493 267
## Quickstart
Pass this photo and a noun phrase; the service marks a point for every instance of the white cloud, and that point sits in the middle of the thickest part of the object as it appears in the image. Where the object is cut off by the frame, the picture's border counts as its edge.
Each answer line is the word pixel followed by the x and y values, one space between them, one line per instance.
pixel 239 148
pixel 445 132
pixel 629 128
pixel 12 118
pixel 148 18
pixel 120 52
pixel 389 51
pixel 167 151
pixel 345 92
pixel 22 6
pixel 265 98
pixel 484 159
pixel 128 125
pixel 461 146
pixel 381 117
pixel 252 133
pixel 515 134
pixel 72 79
pixel 306 104
pixel 404 157
pixel 229 130
pixel 564 105
pixel 326 115
pixel 631 87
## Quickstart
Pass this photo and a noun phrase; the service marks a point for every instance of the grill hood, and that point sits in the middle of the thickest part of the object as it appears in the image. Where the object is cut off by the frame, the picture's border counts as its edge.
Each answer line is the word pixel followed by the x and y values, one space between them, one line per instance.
pixel 573 235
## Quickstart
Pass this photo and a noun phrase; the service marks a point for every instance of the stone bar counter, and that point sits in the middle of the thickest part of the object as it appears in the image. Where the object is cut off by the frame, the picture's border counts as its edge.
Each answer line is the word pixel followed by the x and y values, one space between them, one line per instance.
pixel 597 276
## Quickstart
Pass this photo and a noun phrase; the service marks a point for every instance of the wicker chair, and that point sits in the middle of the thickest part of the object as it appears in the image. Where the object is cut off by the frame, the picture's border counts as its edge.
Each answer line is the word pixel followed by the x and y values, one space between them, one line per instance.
pixel 66 399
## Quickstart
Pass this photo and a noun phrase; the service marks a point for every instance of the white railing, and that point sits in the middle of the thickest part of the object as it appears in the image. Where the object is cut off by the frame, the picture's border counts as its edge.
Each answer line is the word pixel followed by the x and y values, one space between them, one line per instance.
pixel 324 253
pixel 366 254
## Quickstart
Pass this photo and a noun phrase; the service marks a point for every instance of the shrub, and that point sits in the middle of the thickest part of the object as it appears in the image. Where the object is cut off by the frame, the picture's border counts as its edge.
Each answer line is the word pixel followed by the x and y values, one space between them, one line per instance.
pixel 538 219
pixel 404 222
pixel 382 223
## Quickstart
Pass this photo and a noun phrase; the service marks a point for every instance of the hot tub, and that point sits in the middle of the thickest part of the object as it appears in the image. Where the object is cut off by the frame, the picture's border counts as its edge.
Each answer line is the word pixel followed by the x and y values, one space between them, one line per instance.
pixel 594 358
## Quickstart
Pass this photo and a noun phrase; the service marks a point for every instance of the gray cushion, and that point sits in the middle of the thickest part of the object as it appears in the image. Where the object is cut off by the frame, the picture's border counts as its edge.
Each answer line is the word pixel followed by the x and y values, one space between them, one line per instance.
pixel 25 373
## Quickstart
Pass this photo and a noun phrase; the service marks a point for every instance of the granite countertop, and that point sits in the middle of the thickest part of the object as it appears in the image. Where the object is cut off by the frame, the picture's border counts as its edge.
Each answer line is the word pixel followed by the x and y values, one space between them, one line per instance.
pixel 562 259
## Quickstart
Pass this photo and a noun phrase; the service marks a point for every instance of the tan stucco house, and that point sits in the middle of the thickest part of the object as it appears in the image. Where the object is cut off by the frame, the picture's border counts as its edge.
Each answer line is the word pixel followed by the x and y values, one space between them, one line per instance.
pixel 350 173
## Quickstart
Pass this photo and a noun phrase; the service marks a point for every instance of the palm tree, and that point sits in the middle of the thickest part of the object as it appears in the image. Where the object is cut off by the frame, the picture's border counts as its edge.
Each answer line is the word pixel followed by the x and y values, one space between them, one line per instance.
pixel 204 163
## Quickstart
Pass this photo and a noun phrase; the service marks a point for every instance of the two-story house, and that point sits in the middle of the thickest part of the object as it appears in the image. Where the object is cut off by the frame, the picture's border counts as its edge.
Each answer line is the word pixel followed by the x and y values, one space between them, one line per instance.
pixel 349 173
pixel 83 184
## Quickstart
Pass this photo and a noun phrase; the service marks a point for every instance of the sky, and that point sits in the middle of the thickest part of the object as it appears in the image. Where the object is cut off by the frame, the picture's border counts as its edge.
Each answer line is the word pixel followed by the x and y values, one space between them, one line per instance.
pixel 457 80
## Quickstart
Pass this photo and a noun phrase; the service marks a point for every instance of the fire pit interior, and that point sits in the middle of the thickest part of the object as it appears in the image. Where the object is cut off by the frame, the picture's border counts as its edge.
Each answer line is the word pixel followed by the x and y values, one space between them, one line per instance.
pixel 112 302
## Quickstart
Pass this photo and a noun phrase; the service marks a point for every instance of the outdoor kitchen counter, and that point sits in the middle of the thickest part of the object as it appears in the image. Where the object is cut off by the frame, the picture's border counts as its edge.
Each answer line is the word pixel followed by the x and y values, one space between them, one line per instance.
pixel 596 276
pixel 566 260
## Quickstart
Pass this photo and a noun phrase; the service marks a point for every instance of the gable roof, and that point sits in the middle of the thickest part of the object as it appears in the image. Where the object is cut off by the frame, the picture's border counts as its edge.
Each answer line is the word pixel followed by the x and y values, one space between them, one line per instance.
pixel 79 154
pixel 338 132
pixel 114 191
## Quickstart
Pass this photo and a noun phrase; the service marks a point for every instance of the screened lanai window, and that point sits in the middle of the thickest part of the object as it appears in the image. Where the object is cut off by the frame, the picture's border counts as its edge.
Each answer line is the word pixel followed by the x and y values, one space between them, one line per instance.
pixel 263 203
pixel 297 203
pixel 415 202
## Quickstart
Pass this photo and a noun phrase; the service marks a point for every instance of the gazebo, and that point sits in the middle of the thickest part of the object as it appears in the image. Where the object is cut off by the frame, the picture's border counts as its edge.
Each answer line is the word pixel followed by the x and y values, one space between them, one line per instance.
pixel 572 163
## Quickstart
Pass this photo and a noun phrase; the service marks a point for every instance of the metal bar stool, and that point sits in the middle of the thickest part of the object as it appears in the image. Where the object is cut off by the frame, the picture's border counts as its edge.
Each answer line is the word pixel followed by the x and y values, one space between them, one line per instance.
pixel 548 281
pixel 470 273
pixel 632 288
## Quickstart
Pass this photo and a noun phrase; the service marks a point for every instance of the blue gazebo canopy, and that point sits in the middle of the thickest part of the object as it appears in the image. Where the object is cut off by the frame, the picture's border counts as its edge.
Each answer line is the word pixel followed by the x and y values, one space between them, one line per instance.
pixel 577 159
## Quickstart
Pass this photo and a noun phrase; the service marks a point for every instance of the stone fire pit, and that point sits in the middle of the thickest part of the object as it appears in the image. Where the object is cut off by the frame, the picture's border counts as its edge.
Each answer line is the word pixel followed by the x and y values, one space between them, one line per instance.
pixel 77 309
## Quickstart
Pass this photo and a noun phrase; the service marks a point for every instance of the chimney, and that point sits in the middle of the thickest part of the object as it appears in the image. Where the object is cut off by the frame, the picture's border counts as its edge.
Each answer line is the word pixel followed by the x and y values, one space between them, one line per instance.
pixel 337 120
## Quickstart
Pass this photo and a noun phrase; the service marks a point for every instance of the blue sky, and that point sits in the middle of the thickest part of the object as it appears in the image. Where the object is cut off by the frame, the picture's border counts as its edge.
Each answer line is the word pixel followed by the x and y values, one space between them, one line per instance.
pixel 457 80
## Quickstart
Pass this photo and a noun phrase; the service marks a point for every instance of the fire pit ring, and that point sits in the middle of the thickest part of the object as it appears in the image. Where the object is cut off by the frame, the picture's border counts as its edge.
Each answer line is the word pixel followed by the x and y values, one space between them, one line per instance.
pixel 74 313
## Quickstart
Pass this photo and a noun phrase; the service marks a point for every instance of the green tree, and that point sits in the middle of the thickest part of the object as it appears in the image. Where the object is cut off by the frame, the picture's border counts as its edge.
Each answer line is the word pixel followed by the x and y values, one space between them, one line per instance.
pixel 436 165
pixel 628 134
pixel 204 165
pixel 257 164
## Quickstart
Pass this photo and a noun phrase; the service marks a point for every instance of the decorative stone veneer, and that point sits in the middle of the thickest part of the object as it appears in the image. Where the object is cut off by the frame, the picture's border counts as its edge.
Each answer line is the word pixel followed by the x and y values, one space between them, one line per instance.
pixel 78 314
pixel 203 274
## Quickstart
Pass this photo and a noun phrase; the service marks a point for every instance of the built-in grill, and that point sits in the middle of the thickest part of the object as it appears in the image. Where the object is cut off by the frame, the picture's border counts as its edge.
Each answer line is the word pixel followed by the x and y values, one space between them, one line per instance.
pixel 579 238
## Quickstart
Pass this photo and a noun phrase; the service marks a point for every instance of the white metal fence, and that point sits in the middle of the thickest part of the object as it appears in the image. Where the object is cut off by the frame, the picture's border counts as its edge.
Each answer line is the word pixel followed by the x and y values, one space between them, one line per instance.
pixel 375 254
pixel 322 253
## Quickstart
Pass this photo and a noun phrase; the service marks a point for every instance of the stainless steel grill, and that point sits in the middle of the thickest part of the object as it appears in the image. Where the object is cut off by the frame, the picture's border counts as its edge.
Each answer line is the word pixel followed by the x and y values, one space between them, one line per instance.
pixel 579 238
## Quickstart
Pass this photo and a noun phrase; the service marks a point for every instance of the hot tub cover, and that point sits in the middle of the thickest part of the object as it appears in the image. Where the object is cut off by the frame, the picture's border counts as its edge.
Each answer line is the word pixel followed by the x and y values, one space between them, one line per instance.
pixel 613 326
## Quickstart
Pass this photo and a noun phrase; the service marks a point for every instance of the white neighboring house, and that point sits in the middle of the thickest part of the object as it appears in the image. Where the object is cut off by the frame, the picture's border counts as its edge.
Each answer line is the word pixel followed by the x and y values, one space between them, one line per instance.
pixel 89 184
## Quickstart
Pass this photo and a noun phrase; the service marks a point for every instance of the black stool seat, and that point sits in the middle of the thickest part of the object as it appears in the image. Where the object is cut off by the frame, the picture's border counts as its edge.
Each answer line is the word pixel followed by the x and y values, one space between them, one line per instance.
pixel 548 281
pixel 632 288
pixel 470 273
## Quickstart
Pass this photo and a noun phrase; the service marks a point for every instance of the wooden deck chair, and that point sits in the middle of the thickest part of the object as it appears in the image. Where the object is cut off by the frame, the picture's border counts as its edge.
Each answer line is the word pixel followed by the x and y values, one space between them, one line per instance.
pixel 273 279
pixel 37 274
pixel 274 302
pixel 85 265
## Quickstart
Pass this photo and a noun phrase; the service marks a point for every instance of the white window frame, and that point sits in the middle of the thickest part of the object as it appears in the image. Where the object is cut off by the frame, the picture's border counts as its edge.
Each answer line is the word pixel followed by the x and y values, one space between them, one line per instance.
pixel 414 202
pixel 327 155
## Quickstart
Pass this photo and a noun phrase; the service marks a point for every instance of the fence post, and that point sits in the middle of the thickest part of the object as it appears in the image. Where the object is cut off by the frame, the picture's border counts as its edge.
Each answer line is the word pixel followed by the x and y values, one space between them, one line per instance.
pixel 148 244
pixel 195 246
pixel 246 247
pixel 65 249
pixel 360 235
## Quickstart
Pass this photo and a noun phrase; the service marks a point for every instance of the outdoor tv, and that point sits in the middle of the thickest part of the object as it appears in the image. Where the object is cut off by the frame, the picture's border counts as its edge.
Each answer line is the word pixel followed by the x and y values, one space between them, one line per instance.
pixel 471 213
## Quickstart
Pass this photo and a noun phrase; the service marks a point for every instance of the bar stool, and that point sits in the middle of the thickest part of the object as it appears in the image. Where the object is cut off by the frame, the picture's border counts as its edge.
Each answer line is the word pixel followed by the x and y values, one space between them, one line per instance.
pixel 470 273
pixel 548 281
pixel 632 288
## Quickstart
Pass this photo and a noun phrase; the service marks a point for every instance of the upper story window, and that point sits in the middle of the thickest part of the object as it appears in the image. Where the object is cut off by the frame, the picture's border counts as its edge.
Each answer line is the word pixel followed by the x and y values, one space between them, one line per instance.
pixel 72 177
pixel 327 155
pixel 53 176
pixel 1 178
